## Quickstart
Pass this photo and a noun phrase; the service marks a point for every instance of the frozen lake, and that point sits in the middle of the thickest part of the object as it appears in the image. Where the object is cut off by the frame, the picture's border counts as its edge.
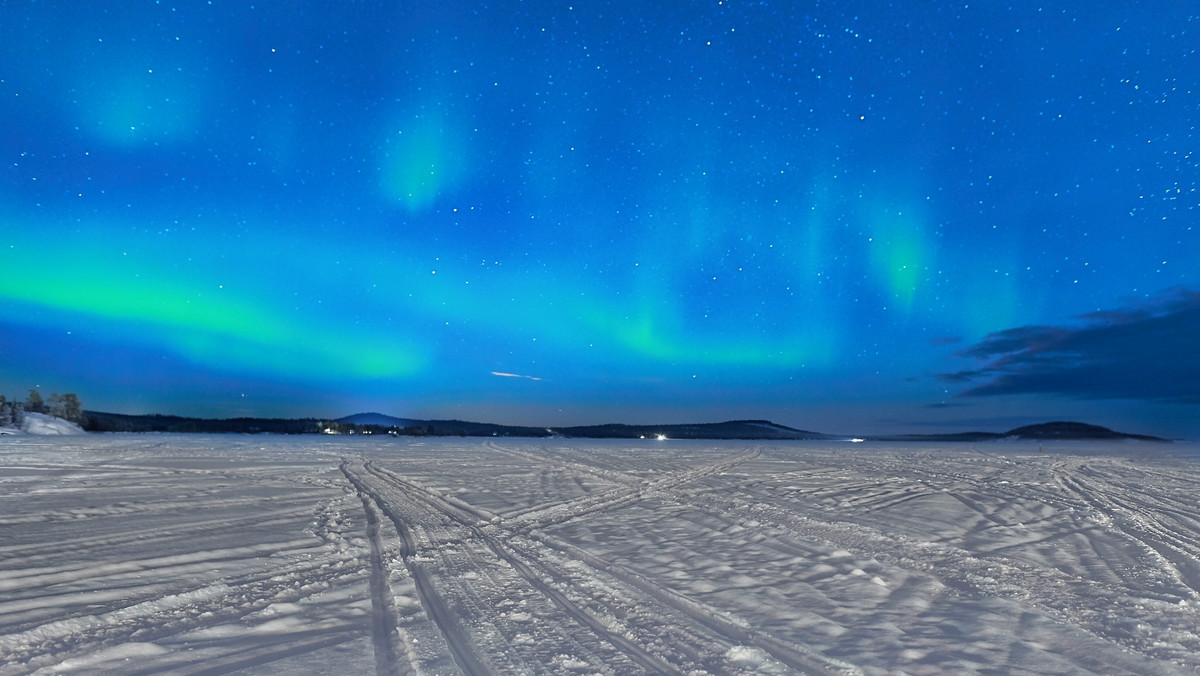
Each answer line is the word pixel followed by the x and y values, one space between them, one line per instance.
pixel 353 555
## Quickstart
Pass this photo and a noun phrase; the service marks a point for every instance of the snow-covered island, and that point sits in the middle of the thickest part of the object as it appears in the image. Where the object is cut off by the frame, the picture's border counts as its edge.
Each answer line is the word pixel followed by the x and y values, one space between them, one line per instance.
pixel 42 424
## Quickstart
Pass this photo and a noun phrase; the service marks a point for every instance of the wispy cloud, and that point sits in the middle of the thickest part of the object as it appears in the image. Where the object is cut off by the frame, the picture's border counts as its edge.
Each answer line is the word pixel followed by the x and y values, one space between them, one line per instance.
pixel 1147 350
pixel 513 375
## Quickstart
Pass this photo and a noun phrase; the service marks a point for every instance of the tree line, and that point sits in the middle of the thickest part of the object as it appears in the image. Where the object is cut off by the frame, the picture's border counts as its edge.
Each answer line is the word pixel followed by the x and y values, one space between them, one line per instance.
pixel 65 406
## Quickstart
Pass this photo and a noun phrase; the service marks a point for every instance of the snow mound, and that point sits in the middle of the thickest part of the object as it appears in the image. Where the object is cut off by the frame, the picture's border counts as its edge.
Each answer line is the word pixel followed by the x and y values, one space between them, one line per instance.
pixel 47 425
pixel 746 656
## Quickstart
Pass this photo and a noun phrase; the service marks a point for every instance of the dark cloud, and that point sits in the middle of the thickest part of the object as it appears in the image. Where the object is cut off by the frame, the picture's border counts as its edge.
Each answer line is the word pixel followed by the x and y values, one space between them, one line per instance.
pixel 1148 350
pixel 960 376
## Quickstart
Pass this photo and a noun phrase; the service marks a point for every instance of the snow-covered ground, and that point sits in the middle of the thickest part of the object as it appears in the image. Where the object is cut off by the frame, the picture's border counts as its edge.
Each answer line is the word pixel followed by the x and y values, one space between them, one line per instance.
pixel 212 554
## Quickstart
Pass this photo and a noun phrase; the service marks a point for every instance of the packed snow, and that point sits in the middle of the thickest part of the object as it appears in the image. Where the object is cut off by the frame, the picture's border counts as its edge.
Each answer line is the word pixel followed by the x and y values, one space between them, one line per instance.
pixel 354 555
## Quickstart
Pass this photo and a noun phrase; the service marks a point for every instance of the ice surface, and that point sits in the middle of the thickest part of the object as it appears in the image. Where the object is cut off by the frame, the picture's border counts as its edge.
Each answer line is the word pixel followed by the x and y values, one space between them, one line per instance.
pixel 214 554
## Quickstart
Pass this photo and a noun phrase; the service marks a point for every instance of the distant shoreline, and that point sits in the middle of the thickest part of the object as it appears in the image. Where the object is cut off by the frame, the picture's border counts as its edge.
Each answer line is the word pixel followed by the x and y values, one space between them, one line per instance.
pixel 748 430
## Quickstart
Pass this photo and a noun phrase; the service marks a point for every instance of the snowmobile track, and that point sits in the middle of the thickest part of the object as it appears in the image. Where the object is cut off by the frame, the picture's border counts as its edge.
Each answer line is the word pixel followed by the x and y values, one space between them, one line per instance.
pixel 384 633
pixel 535 571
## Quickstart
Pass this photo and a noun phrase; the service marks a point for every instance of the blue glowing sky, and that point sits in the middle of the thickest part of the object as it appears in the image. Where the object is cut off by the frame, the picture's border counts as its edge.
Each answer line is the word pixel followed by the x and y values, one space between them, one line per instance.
pixel 840 216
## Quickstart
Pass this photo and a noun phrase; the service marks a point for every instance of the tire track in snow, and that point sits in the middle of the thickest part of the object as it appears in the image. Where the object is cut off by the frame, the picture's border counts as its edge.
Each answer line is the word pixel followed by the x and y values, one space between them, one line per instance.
pixel 113 567
pixel 793 655
pixel 534 568
pixel 1142 521
pixel 533 573
pixel 384 631
pixel 532 522
pixel 567 511
pixel 441 614
pixel 1055 592
pixel 151 620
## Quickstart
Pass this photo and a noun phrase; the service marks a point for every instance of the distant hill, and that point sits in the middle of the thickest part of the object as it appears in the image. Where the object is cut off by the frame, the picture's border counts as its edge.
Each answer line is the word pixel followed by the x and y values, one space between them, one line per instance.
pixel 455 428
pixel 1062 431
pixel 1073 430
pixel 379 419
pixel 379 423
pixel 732 429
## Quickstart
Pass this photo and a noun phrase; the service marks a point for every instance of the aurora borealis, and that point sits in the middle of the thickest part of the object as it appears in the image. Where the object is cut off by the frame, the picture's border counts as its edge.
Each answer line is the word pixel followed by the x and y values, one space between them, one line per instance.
pixel 841 216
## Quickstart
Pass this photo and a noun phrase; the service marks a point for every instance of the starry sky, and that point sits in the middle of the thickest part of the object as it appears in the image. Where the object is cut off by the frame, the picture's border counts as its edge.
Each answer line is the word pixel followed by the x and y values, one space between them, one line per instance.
pixel 842 216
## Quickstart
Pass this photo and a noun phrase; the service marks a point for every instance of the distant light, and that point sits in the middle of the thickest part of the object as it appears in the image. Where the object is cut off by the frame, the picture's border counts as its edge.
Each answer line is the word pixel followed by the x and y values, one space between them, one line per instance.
pixel 661 437
pixel 857 441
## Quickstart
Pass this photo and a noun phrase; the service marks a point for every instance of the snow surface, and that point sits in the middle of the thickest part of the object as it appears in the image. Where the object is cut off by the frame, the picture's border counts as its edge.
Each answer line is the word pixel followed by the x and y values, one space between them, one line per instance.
pixel 272 555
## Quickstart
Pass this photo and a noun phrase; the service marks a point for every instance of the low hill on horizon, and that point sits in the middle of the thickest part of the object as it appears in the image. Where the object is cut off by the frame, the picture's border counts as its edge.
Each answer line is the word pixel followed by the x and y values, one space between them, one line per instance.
pixel 1073 430
pixel 730 429
pixel 373 418
pixel 1059 430
pixel 442 427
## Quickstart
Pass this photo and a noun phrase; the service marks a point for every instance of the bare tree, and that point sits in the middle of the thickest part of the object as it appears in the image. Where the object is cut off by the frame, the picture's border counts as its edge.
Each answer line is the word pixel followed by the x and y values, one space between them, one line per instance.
pixel 72 409
pixel 54 406
pixel 35 404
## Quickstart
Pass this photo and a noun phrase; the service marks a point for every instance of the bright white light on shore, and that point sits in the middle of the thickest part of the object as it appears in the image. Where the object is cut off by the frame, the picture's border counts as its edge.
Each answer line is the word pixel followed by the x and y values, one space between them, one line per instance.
pixel 661 437
pixel 857 441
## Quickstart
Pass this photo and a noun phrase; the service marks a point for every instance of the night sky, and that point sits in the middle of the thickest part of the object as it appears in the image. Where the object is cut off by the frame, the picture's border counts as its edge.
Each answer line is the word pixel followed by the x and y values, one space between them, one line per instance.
pixel 841 216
